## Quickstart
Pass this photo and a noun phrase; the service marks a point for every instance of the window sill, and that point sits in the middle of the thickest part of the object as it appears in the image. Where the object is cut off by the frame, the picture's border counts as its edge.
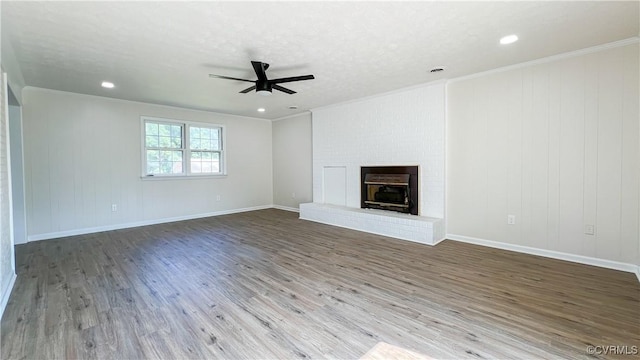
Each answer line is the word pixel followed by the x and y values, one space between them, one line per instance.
pixel 182 177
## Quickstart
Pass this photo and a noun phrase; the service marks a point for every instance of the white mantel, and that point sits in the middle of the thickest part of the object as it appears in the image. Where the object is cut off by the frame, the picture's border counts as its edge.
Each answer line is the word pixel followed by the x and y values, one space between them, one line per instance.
pixel 395 129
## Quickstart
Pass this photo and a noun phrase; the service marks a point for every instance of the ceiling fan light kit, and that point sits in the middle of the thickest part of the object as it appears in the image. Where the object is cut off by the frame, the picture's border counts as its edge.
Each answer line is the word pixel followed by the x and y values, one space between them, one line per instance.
pixel 264 86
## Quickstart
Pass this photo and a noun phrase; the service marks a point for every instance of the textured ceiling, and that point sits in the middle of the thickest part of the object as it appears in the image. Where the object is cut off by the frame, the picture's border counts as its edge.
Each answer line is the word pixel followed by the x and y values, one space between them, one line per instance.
pixel 162 52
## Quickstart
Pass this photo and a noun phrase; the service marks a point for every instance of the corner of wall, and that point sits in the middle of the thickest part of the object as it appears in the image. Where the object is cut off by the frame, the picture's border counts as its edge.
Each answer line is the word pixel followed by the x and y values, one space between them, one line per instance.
pixel 12 67
pixel 286 208
pixel 291 161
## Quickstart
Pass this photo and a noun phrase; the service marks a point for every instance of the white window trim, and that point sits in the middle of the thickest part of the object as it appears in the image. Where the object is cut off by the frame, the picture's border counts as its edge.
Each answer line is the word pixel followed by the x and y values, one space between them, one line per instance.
pixel 185 150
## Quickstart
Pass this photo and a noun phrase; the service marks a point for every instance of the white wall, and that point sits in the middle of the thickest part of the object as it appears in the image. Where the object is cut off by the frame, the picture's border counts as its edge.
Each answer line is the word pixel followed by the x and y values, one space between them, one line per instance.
pixel 82 154
pixel 556 145
pixel 7 260
pixel 17 175
pixel 401 128
pixel 292 161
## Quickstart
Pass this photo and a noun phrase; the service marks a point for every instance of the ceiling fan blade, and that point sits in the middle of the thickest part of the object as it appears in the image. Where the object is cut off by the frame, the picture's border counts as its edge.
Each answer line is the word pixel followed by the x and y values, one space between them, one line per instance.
pixel 259 68
pixel 290 79
pixel 229 78
pixel 248 89
pixel 283 89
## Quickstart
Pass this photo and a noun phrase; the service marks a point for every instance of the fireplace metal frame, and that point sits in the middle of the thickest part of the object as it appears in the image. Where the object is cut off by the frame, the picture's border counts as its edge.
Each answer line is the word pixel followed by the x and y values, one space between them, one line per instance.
pixel 412 188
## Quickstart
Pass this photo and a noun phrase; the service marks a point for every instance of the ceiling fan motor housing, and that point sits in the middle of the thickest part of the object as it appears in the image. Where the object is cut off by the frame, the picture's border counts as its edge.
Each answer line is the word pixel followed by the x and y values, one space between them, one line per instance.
pixel 263 86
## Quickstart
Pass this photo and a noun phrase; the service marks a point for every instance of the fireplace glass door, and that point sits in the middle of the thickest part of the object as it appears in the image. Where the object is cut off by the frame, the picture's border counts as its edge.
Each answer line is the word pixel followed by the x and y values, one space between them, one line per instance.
pixel 387 191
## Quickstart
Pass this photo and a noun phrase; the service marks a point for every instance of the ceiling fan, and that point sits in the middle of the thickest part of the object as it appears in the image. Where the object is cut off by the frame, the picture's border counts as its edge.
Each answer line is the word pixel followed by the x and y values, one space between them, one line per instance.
pixel 263 86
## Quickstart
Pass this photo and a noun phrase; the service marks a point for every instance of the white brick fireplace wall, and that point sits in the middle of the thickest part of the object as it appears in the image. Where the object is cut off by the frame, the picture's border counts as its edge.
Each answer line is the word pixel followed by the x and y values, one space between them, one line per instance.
pixel 401 128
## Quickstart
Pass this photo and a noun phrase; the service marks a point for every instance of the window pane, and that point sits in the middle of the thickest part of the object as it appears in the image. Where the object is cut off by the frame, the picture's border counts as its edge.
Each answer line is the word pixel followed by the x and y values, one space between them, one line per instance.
pixel 205 162
pixel 176 142
pixel 206 134
pixel 194 132
pixel 153 161
pixel 203 138
pixel 176 131
pixel 151 129
pixel 153 167
pixel 168 142
pixel 164 141
pixel 170 162
pixel 217 139
pixel 208 140
pixel 165 155
pixel 165 129
pixel 215 163
pixel 170 155
pixel 177 167
pixel 151 141
pixel 196 162
pixel 153 155
pixel 163 136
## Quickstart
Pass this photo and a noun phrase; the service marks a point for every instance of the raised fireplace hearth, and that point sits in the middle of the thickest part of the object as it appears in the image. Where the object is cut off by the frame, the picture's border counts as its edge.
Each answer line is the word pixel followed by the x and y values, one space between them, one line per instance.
pixel 392 188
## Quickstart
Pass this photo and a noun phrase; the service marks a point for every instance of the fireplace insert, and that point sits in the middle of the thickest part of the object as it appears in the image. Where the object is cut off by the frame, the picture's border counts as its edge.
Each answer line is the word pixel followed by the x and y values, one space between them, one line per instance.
pixel 392 194
pixel 393 188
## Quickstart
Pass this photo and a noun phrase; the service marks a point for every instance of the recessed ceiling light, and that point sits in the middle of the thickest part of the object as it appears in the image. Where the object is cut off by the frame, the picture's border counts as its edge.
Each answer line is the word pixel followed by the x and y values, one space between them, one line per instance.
pixel 509 39
pixel 261 110
pixel 107 84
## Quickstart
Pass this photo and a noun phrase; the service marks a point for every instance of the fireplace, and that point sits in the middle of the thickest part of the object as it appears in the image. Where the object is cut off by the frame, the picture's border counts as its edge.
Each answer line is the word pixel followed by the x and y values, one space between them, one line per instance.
pixel 393 188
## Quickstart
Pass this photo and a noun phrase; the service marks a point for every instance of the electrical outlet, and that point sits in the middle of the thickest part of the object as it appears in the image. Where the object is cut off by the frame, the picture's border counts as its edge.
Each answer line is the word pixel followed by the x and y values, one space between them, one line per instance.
pixel 293 195
pixel 217 197
pixel 511 219
pixel 114 207
pixel 589 229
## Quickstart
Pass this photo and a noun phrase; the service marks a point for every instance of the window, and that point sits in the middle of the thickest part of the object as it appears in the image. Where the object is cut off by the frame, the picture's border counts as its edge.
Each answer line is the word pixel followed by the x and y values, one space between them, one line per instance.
pixel 174 148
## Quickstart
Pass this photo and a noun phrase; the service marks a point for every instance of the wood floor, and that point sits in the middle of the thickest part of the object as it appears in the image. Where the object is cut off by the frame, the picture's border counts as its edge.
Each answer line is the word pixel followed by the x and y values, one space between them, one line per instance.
pixel 264 284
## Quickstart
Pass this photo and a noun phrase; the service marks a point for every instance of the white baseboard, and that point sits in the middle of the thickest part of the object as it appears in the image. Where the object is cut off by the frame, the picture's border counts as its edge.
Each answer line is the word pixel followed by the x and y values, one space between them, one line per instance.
pixel 59 234
pixel 286 208
pixel 6 293
pixel 638 273
pixel 547 253
pixel 436 242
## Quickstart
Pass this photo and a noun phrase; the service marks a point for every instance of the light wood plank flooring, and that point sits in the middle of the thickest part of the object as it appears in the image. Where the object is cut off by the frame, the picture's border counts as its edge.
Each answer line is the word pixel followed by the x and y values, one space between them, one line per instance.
pixel 265 284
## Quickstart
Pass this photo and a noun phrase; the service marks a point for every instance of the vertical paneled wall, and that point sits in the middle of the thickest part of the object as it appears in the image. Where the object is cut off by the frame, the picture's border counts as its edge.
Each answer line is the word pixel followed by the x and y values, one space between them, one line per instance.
pixel 83 154
pixel 556 145
pixel 7 266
